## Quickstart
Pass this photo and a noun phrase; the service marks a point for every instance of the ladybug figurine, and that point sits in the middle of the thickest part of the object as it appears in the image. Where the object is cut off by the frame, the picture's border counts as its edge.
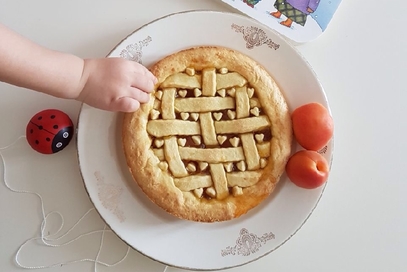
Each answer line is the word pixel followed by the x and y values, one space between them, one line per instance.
pixel 49 131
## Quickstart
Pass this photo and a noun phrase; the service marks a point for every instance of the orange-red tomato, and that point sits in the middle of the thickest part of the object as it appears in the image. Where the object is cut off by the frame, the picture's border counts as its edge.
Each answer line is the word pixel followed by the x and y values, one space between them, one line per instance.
pixel 307 169
pixel 313 126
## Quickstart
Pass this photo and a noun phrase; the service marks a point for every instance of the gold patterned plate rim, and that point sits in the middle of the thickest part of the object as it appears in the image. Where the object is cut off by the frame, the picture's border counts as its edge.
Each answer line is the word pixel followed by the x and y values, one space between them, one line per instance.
pixel 147 228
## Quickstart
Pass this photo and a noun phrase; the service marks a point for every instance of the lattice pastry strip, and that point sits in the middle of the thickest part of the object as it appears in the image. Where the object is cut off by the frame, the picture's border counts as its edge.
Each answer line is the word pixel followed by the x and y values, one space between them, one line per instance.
pixel 242 103
pixel 239 179
pixel 212 155
pixel 250 151
pixel 204 104
pixel 173 158
pixel 190 183
pixel 161 128
pixel 209 82
pixel 167 103
pixel 229 80
pixel 263 150
pixel 219 179
pixel 208 129
pixel 182 81
pixel 223 81
pixel 244 125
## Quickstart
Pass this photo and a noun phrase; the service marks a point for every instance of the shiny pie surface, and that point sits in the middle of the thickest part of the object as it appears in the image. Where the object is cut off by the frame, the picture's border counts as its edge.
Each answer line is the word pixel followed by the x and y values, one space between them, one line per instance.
pixel 214 139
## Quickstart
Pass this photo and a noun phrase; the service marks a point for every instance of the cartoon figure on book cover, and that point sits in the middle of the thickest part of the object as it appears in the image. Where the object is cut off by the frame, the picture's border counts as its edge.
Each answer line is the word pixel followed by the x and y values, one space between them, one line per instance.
pixel 295 10
pixel 251 3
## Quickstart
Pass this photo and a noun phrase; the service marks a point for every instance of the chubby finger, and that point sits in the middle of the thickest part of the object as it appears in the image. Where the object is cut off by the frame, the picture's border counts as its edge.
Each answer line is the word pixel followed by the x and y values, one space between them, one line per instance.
pixel 144 79
pixel 151 76
pixel 139 95
pixel 143 83
pixel 126 104
pixel 145 71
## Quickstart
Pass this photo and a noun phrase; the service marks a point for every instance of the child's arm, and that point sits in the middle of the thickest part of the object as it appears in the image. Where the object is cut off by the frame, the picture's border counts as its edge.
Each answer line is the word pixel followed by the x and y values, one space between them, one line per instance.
pixel 109 83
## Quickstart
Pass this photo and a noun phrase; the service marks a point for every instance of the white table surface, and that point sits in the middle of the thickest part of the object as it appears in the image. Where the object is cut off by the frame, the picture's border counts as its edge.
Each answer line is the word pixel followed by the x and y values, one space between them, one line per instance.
pixel 360 223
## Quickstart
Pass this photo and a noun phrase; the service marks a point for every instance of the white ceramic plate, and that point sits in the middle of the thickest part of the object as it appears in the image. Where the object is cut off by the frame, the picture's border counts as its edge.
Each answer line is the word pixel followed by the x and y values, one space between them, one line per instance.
pixel 147 228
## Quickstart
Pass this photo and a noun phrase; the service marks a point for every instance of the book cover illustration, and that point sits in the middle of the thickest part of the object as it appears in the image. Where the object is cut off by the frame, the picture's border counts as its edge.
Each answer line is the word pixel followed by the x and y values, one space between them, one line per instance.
pixel 298 20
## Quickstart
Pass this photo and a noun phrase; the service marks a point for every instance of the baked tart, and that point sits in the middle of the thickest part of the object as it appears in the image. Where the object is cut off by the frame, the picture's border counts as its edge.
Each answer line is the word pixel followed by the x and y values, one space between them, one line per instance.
pixel 213 140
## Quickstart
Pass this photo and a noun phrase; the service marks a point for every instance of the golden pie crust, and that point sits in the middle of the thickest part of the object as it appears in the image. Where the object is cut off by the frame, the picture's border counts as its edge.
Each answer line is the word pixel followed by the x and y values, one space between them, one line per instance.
pixel 213 140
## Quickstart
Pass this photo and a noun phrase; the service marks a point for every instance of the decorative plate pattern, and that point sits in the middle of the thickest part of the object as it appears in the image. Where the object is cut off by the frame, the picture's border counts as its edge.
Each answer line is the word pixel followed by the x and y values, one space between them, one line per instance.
pixel 247 243
pixel 134 51
pixel 255 36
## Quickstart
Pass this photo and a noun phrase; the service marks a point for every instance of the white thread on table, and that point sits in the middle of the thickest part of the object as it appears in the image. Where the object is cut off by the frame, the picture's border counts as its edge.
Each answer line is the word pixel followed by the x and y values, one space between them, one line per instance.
pixel 46 240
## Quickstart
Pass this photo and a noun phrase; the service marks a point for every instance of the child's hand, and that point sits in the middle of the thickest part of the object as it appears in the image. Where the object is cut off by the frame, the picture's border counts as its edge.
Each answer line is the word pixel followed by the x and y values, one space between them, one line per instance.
pixel 115 84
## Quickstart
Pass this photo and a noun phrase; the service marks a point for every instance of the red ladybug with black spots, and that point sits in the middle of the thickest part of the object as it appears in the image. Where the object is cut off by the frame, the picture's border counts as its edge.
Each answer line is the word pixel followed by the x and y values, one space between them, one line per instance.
pixel 49 131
